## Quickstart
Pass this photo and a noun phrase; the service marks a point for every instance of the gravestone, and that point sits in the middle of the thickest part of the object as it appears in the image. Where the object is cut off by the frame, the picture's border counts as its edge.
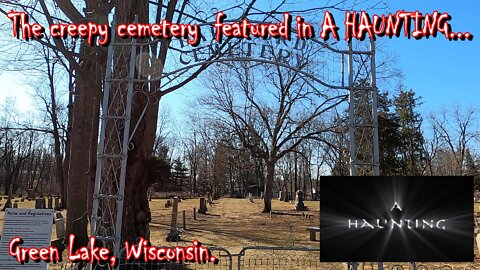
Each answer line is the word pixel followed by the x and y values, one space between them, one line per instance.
pixel 261 195
pixel 299 205
pixel 203 206
pixel 15 205
pixel 40 203
pixel 60 227
pixel 173 224
pixel 57 203
pixel 50 202
pixel 174 234
pixel 250 197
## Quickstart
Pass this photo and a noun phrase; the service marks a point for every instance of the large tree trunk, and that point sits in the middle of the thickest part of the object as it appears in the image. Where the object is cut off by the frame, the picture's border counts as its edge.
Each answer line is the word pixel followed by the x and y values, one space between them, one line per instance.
pixel 268 192
pixel 136 210
pixel 136 213
pixel 84 133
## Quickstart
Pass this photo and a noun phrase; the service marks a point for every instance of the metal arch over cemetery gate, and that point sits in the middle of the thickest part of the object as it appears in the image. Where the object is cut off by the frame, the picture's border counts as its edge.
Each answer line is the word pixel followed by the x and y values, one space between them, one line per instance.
pixel 116 131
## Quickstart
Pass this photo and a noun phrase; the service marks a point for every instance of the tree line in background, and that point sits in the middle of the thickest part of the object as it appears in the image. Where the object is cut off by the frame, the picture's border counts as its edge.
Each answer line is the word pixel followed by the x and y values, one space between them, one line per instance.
pixel 212 159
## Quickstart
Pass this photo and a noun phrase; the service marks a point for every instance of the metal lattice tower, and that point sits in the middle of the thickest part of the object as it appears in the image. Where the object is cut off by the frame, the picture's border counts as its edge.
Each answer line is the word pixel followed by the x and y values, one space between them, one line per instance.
pixel 108 198
pixel 363 135
pixel 362 116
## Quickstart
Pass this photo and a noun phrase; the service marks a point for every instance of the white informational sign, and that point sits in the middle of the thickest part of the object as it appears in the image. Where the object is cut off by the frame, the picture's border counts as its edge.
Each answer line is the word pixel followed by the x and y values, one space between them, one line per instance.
pixel 34 226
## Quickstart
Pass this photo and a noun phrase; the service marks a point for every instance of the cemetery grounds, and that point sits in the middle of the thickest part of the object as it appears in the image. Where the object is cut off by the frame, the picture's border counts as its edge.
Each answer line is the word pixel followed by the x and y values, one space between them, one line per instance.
pixel 233 224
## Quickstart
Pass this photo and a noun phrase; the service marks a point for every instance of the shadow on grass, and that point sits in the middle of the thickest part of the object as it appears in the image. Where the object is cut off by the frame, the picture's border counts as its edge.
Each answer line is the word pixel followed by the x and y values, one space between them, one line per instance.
pixel 286 214
pixel 234 234
pixel 213 215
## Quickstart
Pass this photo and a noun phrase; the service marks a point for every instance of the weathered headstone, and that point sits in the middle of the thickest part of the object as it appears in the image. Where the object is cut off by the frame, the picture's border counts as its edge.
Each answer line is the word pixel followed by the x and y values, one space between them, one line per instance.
pixel 50 202
pixel 203 206
pixel 60 227
pixel 174 234
pixel 57 203
pixel 40 203
pixel 299 205
pixel 15 205
pixel 173 224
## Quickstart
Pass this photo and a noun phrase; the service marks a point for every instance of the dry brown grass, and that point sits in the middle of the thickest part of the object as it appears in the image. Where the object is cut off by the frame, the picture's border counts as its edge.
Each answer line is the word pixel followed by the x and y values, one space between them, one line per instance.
pixel 236 223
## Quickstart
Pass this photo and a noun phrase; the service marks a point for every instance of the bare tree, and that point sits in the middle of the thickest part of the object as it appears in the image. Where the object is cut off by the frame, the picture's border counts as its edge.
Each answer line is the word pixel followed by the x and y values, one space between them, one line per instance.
pixel 272 110
pixel 456 131
pixel 88 64
pixel 53 110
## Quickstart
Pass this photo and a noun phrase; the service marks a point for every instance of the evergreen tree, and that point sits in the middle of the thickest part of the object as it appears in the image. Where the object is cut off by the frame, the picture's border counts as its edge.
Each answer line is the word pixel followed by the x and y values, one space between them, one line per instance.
pixel 411 153
pixel 159 173
pixel 389 133
pixel 389 137
pixel 400 136
pixel 179 175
